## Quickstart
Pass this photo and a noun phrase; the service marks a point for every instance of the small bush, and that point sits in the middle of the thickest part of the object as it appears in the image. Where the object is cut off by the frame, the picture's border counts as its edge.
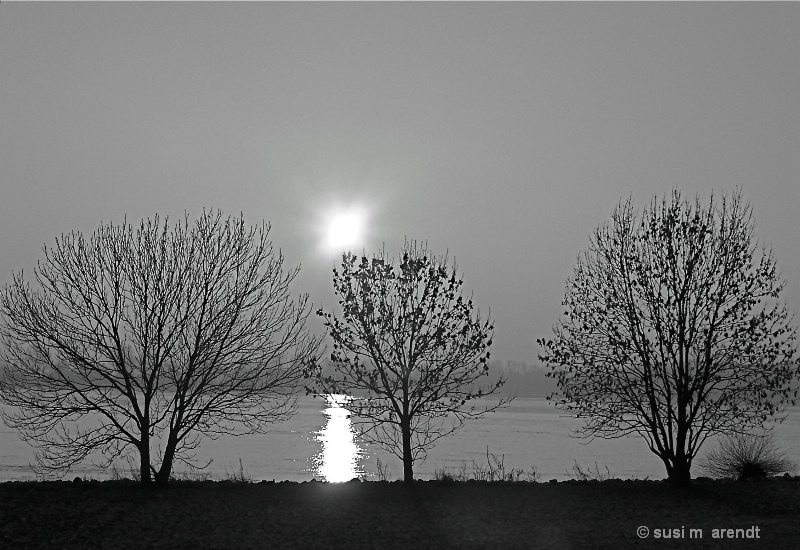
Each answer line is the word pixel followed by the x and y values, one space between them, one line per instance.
pixel 193 476
pixel 129 471
pixel 443 476
pixel 494 470
pixel 383 471
pixel 239 477
pixel 587 474
pixel 745 456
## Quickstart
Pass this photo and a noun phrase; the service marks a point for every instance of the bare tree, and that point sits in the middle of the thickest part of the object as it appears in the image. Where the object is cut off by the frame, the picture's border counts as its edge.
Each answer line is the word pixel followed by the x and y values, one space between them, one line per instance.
pixel 152 336
pixel 673 330
pixel 409 349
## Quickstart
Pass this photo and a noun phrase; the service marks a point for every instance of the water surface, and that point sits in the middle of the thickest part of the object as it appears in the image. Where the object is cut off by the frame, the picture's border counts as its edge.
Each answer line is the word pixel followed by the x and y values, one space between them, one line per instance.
pixel 320 442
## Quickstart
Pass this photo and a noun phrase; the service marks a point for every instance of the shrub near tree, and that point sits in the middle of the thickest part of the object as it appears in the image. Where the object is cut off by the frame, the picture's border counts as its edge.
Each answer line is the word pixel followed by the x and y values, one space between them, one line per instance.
pixel 156 335
pixel 745 456
pixel 673 329
pixel 409 348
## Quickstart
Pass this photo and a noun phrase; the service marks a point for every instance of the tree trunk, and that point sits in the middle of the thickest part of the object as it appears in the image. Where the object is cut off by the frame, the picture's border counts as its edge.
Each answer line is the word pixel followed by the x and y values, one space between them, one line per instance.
pixel 408 461
pixel 144 460
pixel 681 475
pixel 679 470
pixel 162 476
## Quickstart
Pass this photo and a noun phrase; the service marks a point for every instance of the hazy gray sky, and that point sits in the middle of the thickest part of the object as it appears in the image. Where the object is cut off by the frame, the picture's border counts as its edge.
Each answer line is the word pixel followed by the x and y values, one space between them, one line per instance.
pixel 504 133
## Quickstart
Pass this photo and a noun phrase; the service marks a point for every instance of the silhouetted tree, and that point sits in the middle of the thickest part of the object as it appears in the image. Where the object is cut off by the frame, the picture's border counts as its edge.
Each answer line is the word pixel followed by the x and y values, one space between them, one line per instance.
pixel 152 336
pixel 672 329
pixel 409 348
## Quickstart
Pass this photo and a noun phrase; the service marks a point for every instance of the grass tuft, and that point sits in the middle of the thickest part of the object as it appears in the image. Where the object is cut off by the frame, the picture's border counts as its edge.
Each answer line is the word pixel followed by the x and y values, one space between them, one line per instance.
pixel 494 470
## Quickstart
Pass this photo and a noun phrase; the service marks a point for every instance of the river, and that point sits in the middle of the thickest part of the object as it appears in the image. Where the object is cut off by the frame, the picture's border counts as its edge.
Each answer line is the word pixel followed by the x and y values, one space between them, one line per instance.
pixel 320 442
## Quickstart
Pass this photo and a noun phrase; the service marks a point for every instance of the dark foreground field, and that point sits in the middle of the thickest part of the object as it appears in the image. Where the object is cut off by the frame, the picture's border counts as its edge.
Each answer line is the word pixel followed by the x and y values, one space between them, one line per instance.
pixel 384 515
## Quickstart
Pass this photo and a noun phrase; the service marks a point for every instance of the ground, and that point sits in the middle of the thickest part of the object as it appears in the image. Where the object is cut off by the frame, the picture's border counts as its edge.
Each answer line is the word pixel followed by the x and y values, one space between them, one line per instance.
pixel 383 515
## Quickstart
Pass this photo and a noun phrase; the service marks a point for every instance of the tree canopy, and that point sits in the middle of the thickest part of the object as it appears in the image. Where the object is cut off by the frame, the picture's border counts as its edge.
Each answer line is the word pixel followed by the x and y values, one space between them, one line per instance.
pixel 154 335
pixel 409 348
pixel 673 329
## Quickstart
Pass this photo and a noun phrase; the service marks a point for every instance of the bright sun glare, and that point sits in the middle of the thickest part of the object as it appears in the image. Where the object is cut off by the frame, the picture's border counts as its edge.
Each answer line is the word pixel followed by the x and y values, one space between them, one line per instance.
pixel 345 229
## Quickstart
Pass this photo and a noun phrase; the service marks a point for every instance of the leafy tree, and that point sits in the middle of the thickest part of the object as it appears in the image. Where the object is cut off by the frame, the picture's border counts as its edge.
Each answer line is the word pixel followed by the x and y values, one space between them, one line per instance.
pixel 409 349
pixel 134 338
pixel 673 329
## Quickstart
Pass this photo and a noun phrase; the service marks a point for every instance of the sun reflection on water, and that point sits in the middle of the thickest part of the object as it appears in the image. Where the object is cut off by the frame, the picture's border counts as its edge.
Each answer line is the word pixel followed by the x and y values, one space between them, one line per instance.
pixel 340 456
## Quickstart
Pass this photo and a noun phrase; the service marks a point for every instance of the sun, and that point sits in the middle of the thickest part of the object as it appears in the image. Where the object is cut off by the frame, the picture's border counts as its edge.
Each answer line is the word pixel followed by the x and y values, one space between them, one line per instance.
pixel 341 226
pixel 345 229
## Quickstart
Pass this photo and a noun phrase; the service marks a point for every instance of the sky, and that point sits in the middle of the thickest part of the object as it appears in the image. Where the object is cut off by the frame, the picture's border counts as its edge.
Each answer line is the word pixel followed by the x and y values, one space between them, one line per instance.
pixel 502 134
